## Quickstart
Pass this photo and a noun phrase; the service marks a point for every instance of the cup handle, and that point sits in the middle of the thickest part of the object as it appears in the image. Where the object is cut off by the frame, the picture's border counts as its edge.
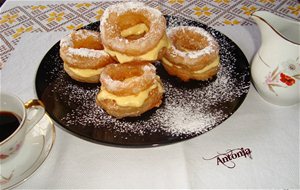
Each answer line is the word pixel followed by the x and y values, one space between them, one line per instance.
pixel 35 112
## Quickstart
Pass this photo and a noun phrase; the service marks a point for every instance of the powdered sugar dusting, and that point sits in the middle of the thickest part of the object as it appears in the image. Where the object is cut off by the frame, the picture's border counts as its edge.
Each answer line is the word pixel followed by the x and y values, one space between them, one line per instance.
pixel 84 34
pixel 122 8
pixel 85 52
pixel 66 42
pixel 188 109
pixel 115 85
pixel 155 21
pixel 212 45
pixel 148 68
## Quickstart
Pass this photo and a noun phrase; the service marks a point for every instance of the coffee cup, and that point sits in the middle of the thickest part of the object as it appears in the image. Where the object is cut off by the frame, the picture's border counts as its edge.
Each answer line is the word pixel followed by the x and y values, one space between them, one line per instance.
pixel 16 119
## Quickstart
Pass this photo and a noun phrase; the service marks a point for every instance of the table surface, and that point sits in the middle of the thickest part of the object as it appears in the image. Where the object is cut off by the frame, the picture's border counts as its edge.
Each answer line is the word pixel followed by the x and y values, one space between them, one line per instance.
pixel 28 29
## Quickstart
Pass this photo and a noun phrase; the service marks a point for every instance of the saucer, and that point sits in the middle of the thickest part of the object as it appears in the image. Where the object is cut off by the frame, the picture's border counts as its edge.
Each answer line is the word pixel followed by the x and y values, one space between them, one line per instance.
pixel 37 146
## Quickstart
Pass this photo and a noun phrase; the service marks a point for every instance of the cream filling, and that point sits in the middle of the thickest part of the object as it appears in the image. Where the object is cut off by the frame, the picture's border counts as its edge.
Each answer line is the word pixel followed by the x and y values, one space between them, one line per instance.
pixel 135 30
pixel 215 63
pixel 84 72
pixel 131 100
pixel 149 56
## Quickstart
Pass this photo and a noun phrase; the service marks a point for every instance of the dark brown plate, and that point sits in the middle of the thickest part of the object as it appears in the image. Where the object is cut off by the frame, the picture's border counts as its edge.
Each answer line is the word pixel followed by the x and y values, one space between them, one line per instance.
pixel 188 110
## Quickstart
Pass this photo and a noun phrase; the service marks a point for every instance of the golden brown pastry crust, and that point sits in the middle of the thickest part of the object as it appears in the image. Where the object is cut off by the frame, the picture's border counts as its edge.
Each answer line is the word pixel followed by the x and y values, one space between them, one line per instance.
pixel 130 79
pixel 186 75
pixel 119 17
pixel 192 50
pixel 83 50
pixel 112 108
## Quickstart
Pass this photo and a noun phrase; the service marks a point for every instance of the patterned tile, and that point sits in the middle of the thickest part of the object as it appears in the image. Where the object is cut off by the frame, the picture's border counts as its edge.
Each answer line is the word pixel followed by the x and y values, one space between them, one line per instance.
pixel 166 9
pixel 290 9
pixel 269 4
pixel 56 17
pixel 16 32
pixel 223 4
pixel 4 58
pixel 175 4
pixel 245 9
pixel 36 10
pixel 72 24
pixel 94 14
pixel 5 49
pixel 202 12
pixel 12 18
pixel 81 8
pixel 5 46
pixel 229 19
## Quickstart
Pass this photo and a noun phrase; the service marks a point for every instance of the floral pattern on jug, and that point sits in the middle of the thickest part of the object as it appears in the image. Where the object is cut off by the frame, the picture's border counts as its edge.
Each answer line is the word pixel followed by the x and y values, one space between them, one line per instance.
pixel 284 75
pixel 275 68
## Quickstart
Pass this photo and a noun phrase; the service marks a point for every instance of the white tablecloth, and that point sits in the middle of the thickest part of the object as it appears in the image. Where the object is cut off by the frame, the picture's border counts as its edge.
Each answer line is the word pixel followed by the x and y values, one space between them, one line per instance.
pixel 270 132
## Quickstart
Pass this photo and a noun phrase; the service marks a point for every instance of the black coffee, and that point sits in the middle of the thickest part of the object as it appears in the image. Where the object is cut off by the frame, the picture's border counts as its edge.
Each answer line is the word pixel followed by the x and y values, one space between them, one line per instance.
pixel 9 122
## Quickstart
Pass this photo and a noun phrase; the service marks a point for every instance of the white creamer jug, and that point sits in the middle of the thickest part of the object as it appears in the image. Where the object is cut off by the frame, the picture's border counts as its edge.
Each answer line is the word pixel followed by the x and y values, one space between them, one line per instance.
pixel 275 68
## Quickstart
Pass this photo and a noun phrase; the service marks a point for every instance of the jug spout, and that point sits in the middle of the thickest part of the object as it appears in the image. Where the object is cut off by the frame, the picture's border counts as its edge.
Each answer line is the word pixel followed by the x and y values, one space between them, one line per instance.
pixel 273 26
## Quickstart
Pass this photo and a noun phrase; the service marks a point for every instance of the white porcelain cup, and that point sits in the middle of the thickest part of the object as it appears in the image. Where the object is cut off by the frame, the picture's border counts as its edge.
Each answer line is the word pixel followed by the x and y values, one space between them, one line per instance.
pixel 29 114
